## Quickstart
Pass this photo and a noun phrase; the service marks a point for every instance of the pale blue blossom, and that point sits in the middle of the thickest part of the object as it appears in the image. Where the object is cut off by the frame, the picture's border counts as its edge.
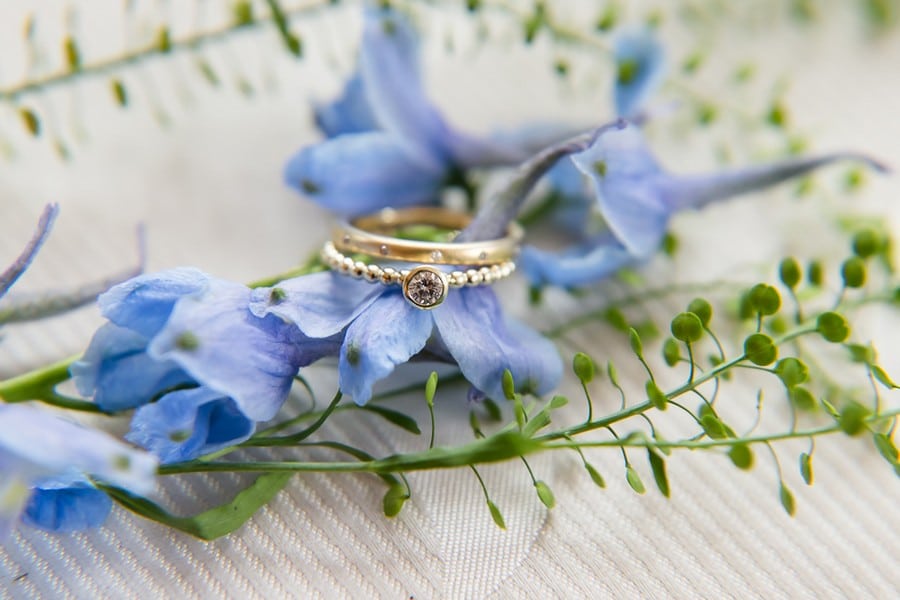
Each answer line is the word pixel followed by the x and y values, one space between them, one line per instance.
pixel 48 464
pixel 637 198
pixel 389 146
pixel 189 343
pixel 639 70
pixel 382 330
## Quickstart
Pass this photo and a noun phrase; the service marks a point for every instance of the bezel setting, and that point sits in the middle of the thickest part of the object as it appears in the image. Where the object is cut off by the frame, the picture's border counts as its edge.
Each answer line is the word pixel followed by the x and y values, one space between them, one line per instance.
pixel 420 287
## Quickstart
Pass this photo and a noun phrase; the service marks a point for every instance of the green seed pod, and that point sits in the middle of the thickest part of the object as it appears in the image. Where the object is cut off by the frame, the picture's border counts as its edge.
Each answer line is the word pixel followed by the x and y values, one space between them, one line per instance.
pixel 802 398
pixel 742 456
pixel 765 299
pixel 867 243
pixel 687 327
pixel 635 340
pixel 789 272
pixel 852 419
pixel 815 274
pixel 243 13
pixel 760 349
pixel 792 371
pixel 656 396
pixel 671 352
pixel 701 308
pixel 583 366
pixel 853 271
pixel 509 386
pixel 833 327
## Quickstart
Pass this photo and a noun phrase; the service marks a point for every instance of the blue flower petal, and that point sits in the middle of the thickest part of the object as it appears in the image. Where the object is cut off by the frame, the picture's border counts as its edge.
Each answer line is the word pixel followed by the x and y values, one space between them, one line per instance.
pixel 361 173
pixel 386 334
pixel 67 449
pixel 627 180
pixel 117 372
pixel 253 360
pixel 695 191
pixel 580 265
pixel 574 207
pixel 493 219
pixel 484 344
pixel 567 180
pixel 640 67
pixel 143 304
pixel 474 152
pixel 321 305
pixel 389 61
pixel 350 113
pixel 65 509
pixel 186 424
pixel 532 138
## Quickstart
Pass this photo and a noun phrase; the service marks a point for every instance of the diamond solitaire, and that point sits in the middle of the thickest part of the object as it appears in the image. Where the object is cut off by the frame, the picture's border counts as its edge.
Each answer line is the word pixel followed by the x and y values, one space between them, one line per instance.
pixel 425 287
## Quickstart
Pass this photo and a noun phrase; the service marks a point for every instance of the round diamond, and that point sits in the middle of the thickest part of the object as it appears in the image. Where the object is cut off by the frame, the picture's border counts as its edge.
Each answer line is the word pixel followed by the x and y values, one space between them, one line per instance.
pixel 425 287
pixel 437 255
pixel 383 250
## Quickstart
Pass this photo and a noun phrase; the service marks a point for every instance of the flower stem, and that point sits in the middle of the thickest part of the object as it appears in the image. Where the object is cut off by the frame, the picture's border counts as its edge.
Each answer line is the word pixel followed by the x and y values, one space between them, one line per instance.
pixel 154 49
pixel 33 384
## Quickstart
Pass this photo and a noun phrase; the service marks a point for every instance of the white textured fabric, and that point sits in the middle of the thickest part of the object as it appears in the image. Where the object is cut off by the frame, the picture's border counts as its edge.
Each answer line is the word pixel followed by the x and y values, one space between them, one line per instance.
pixel 209 193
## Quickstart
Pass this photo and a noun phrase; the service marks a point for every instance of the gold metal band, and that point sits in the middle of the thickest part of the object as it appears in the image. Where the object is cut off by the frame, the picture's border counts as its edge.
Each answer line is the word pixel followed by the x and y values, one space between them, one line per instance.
pixel 370 235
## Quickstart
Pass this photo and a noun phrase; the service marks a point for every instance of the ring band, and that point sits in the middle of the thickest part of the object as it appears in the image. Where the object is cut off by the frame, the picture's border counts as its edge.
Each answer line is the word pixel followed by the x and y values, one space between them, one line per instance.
pixel 423 286
pixel 368 235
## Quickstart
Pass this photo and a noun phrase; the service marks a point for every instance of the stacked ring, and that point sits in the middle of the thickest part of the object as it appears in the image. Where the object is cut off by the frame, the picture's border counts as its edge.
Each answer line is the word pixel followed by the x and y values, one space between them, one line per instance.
pixel 424 286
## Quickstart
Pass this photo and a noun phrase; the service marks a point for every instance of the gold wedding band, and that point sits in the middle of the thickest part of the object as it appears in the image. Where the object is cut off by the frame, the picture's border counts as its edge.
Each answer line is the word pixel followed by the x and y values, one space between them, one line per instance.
pixel 370 235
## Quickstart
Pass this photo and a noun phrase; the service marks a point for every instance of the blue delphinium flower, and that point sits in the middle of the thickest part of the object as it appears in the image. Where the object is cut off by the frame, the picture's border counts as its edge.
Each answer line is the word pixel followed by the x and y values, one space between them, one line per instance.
pixel 637 198
pixel 47 463
pixel 640 67
pixel 381 330
pixel 190 342
pixel 399 149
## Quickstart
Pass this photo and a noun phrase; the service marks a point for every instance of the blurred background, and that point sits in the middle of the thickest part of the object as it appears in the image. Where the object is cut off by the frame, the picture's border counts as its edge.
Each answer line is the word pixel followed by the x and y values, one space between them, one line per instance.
pixel 170 116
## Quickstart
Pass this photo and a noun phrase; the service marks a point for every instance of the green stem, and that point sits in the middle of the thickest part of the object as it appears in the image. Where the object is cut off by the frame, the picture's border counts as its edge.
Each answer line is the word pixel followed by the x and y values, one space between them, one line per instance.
pixel 293 439
pixel 641 442
pixel 499 447
pixel 154 49
pixel 29 386
pixel 641 407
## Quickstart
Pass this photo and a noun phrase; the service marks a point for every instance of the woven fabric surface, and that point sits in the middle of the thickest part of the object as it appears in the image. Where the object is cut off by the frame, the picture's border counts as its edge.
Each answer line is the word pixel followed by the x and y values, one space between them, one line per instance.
pixel 208 191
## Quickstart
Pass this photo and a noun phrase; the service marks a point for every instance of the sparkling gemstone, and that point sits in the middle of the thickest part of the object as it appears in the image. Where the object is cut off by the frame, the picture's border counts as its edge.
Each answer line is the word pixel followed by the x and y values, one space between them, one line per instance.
pixel 425 288
pixel 482 256
pixel 383 250
pixel 437 255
